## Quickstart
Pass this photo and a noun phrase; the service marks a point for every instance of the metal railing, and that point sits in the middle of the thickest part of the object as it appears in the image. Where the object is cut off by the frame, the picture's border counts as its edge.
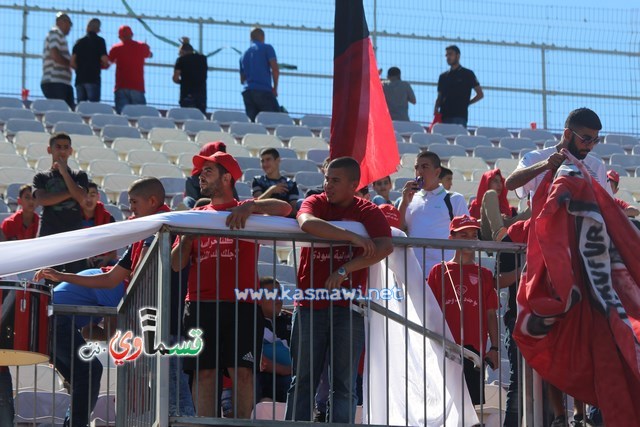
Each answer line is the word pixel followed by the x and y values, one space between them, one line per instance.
pixel 144 385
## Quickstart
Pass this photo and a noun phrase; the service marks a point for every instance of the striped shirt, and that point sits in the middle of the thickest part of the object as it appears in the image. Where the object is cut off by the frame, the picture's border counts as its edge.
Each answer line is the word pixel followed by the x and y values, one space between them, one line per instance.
pixel 52 72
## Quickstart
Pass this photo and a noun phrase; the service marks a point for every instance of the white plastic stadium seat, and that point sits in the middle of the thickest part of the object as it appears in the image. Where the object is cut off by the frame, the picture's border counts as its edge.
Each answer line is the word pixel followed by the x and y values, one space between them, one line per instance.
pixel 515 145
pixel 87 109
pixel 445 151
pixel 286 132
pixel 506 166
pixel 7 148
pixel 425 139
pixel 237 150
pixel 111 132
pixel 135 111
pixel 315 123
pixel 7 102
pixel 13 126
pixel 36 150
pixel 226 117
pixel 471 142
pixel 15 113
pixel 249 163
pixel 629 162
pixel 606 150
pixel 467 164
pixel 52 117
pixel 99 121
pixel 41 106
pixel 145 124
pixel 318 155
pixel 113 184
pixel 449 130
pixel 309 179
pixel 192 127
pixel 257 142
pixel 494 134
pixel 78 141
pixel 271 120
pixel 491 154
pixel 123 146
pixel 159 135
pixel 136 158
pixel 292 166
pixel 302 144
pixel 180 115
pixel 536 135
pixel 100 168
pixel 172 185
pixel 13 160
pixel 85 155
pixel 205 136
pixel 173 149
pixel 161 170
pixel 625 141
pixel 406 148
pixel 44 163
pixel 407 129
pixel 9 175
pixel 239 130
pixel 72 128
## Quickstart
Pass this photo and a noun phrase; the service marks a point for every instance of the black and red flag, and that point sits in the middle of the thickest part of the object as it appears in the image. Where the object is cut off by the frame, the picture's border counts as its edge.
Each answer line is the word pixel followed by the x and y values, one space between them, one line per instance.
pixel 361 126
pixel 579 298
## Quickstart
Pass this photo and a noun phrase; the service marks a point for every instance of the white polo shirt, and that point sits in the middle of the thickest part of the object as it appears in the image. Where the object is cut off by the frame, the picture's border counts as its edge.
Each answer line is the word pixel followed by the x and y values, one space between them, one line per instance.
pixel 594 165
pixel 427 216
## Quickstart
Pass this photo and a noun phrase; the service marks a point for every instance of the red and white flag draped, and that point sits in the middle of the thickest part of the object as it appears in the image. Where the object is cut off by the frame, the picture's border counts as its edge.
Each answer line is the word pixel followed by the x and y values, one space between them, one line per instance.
pixel 579 296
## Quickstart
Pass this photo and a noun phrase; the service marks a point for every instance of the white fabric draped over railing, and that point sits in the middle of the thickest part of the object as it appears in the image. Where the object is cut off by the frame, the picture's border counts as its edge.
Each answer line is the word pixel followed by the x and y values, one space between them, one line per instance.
pixel 426 366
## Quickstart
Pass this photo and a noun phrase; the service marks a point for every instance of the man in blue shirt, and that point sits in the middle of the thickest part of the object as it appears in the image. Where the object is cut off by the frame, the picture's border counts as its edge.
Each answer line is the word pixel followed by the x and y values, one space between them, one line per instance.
pixel 68 341
pixel 257 65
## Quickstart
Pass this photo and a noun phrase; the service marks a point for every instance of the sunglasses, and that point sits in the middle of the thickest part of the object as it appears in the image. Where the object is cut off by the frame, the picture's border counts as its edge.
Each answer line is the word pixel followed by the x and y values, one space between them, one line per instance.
pixel 587 140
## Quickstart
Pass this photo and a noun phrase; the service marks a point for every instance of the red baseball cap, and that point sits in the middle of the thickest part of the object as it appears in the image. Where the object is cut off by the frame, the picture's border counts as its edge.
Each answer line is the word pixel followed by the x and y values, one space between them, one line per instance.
pixel 125 31
pixel 463 221
pixel 392 214
pixel 223 159
pixel 613 176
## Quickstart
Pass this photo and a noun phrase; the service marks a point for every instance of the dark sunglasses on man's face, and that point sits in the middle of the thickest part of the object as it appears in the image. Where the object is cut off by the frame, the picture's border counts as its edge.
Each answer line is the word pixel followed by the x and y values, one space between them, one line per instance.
pixel 587 140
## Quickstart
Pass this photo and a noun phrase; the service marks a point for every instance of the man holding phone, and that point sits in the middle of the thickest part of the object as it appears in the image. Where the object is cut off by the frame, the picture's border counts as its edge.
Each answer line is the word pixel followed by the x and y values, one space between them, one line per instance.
pixel 61 191
pixel 427 208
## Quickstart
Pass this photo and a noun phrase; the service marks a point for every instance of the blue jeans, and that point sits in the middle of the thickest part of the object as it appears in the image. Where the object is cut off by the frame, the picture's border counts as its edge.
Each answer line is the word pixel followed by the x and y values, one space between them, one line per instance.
pixel 85 384
pixel 128 96
pixel 348 343
pixel 6 399
pixel 256 101
pixel 179 381
pixel 455 120
pixel 58 91
pixel 88 92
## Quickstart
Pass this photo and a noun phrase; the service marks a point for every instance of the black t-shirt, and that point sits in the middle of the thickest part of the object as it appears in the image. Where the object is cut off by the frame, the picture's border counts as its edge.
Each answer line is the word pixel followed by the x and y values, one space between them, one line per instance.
pixel 193 74
pixel 66 215
pixel 88 50
pixel 455 89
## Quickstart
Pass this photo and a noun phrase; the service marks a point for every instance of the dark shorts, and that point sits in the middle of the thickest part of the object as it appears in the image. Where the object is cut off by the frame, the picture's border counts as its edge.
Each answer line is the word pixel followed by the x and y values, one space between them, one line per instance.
pixel 474 378
pixel 221 337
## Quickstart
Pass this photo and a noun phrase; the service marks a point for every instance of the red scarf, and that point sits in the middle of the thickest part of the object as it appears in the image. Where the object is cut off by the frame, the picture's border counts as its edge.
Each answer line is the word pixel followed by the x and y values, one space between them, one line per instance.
pixel 483 187
pixel 100 215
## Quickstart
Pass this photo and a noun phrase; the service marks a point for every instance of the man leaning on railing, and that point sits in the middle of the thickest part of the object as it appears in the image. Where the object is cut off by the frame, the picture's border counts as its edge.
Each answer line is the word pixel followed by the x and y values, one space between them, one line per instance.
pixel 334 268
pixel 209 301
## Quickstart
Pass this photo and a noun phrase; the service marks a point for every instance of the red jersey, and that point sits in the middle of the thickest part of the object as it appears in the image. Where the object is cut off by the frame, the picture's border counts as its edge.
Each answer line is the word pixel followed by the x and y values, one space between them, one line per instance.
pixel 362 211
pixel 475 283
pixel 129 57
pixel 210 251
pixel 13 227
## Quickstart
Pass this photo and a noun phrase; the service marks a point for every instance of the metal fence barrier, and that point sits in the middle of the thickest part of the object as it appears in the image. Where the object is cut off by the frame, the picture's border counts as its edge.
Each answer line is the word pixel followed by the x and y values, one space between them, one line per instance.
pixel 145 384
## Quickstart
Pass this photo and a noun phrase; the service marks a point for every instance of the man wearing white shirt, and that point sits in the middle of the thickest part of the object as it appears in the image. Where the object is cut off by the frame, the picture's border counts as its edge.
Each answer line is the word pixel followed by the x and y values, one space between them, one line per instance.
pixel 424 211
pixel 579 137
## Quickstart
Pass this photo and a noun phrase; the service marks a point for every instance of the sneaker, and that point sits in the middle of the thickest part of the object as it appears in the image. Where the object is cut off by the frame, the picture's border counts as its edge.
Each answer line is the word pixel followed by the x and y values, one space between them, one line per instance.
pixel 580 421
pixel 559 421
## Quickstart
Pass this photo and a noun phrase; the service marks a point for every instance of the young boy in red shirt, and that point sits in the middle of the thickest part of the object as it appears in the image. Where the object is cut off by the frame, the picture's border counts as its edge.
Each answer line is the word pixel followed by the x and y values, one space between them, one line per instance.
pixel 465 292
pixel 24 223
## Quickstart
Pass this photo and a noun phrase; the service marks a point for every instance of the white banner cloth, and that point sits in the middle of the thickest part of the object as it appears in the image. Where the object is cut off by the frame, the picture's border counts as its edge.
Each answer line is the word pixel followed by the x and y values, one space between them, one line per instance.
pixel 420 374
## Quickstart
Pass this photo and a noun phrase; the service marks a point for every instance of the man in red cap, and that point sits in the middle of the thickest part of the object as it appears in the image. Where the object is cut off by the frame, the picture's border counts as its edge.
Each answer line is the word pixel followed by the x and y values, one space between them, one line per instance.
pixel 129 56
pixel 468 292
pixel 614 180
pixel 219 265
pixel 192 184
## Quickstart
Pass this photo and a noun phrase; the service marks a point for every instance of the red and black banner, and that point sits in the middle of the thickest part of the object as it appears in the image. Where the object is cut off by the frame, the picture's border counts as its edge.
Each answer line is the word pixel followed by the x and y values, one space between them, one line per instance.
pixel 361 126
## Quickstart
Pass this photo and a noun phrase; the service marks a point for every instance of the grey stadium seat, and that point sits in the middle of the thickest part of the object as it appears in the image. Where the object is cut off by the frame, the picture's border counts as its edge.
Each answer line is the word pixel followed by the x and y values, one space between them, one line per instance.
pixel 449 130
pixel 445 151
pixel 7 102
pixel 99 121
pixel 134 111
pixel 315 123
pixel 53 117
pixel 286 132
pixel 87 109
pixel 426 139
pixel 271 119
pixel 15 113
pixel 72 128
pixel 180 115
pixel 226 117
pixel 491 154
pixel 41 106
pixel 239 130
pixel 294 165
pixel 145 124
pixel 472 142
pixel 111 132
pixel 408 128
pixel 12 126
pixel 192 127
pixel 515 145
